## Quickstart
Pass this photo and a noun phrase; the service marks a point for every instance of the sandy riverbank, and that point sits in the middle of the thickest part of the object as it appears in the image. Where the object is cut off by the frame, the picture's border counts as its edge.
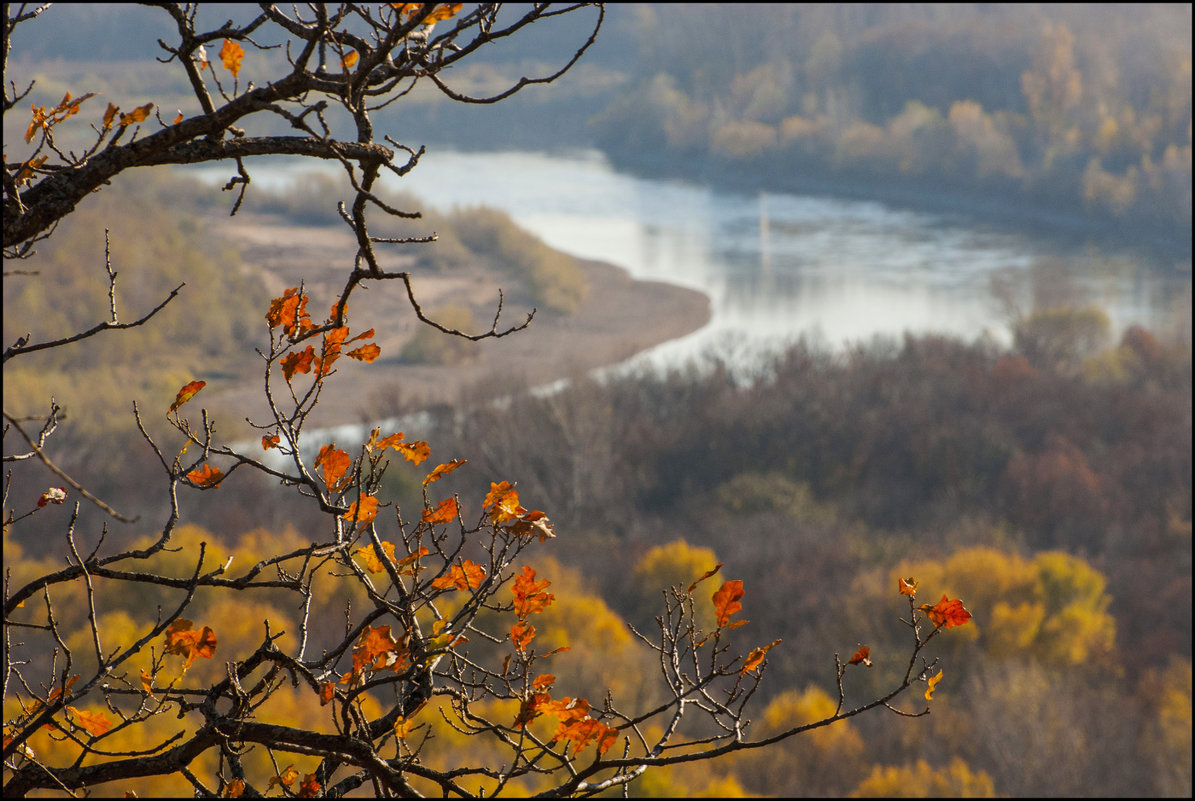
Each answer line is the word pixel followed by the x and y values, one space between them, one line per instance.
pixel 618 318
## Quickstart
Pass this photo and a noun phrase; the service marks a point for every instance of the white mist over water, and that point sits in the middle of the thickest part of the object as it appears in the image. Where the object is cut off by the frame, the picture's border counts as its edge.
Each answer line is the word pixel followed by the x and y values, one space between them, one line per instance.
pixel 775 266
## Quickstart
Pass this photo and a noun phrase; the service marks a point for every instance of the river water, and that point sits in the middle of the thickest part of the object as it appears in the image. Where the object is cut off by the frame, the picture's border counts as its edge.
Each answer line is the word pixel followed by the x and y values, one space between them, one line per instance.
pixel 777 266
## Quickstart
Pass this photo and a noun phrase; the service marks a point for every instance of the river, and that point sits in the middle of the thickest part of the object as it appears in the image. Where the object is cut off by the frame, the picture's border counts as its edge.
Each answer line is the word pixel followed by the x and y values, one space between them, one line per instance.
pixel 777 266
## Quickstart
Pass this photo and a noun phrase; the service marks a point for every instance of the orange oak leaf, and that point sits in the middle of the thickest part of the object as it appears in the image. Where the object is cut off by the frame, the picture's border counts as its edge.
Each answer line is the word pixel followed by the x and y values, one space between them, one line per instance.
pixel 521 635
pixel 334 463
pixel 331 350
pixel 443 513
pixel 25 174
pixel 528 593
pixel 566 709
pixel 409 565
pixel 462 577
pixel 862 655
pixel 414 452
pixel 907 586
pixel 382 444
pixel 286 777
pixel 94 723
pixel 290 312
pixel 179 118
pixel 726 602
pixel 268 442
pixel 231 54
pixel 370 554
pixel 503 502
pixel 298 363
pixel 585 730
pixel 39 121
pixel 529 710
pixel 367 512
pixel 496 492
pixel 57 692
pixel 327 691
pixel 235 788
pixel 185 394
pixel 933 685
pixel 948 613
pixel 109 117
pixel 442 470
pixel 139 114
pixel 442 11
pixel 310 787
pixel 533 523
pixel 755 658
pixel 350 58
pixel 190 643
pixel 376 649
pixel 403 727
pixel 706 575
pixel 147 683
pixel 206 476
pixel 365 353
pixel 543 681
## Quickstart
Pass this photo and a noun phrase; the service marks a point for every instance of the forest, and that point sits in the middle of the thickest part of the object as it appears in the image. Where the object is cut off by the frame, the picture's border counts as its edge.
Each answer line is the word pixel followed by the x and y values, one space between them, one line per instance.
pixel 1030 111
pixel 1061 106
pixel 1048 482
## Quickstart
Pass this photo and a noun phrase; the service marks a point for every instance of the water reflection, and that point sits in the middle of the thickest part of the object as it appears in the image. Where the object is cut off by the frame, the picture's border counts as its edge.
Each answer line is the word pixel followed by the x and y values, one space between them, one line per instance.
pixel 777 265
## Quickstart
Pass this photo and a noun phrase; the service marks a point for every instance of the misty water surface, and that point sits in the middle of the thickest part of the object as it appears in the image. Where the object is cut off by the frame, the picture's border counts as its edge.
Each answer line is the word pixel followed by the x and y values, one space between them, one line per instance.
pixel 777 266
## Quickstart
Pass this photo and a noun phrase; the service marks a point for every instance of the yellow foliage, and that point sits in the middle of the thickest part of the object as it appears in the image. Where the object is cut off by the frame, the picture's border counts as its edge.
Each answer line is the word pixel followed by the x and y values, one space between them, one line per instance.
pixel 1166 742
pixel 821 761
pixel 1053 607
pixel 920 781
pixel 681 781
pixel 676 564
pixel 792 708
pixel 1012 629
pixel 1062 338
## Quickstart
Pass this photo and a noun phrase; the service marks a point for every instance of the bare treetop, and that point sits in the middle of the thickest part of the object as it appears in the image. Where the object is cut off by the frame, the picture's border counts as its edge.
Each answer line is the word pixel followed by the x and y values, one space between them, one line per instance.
pixel 352 57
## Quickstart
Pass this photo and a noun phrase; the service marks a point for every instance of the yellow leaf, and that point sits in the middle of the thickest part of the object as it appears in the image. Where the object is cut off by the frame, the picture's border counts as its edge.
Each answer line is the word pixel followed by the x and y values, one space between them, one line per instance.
pixel 402 727
pixel 368 511
pixel 370 554
pixel 442 470
pixel 185 394
pixel 350 58
pixel 94 723
pixel 933 683
pixel 139 114
pixel 755 658
pixel 231 55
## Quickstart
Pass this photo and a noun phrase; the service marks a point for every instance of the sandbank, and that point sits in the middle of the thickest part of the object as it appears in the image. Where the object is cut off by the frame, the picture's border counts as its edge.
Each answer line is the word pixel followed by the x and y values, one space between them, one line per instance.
pixel 618 318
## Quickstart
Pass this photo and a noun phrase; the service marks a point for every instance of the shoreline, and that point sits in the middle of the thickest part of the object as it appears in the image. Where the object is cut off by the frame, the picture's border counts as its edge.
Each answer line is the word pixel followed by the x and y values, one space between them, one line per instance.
pixel 1169 244
pixel 618 318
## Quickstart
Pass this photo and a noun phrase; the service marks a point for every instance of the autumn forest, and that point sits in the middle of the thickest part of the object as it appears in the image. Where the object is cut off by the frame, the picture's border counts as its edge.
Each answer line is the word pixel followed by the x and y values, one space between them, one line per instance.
pixel 1046 482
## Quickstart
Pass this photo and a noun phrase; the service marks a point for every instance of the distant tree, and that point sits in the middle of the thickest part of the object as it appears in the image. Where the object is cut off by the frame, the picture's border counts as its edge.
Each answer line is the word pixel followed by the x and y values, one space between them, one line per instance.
pixel 105 671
